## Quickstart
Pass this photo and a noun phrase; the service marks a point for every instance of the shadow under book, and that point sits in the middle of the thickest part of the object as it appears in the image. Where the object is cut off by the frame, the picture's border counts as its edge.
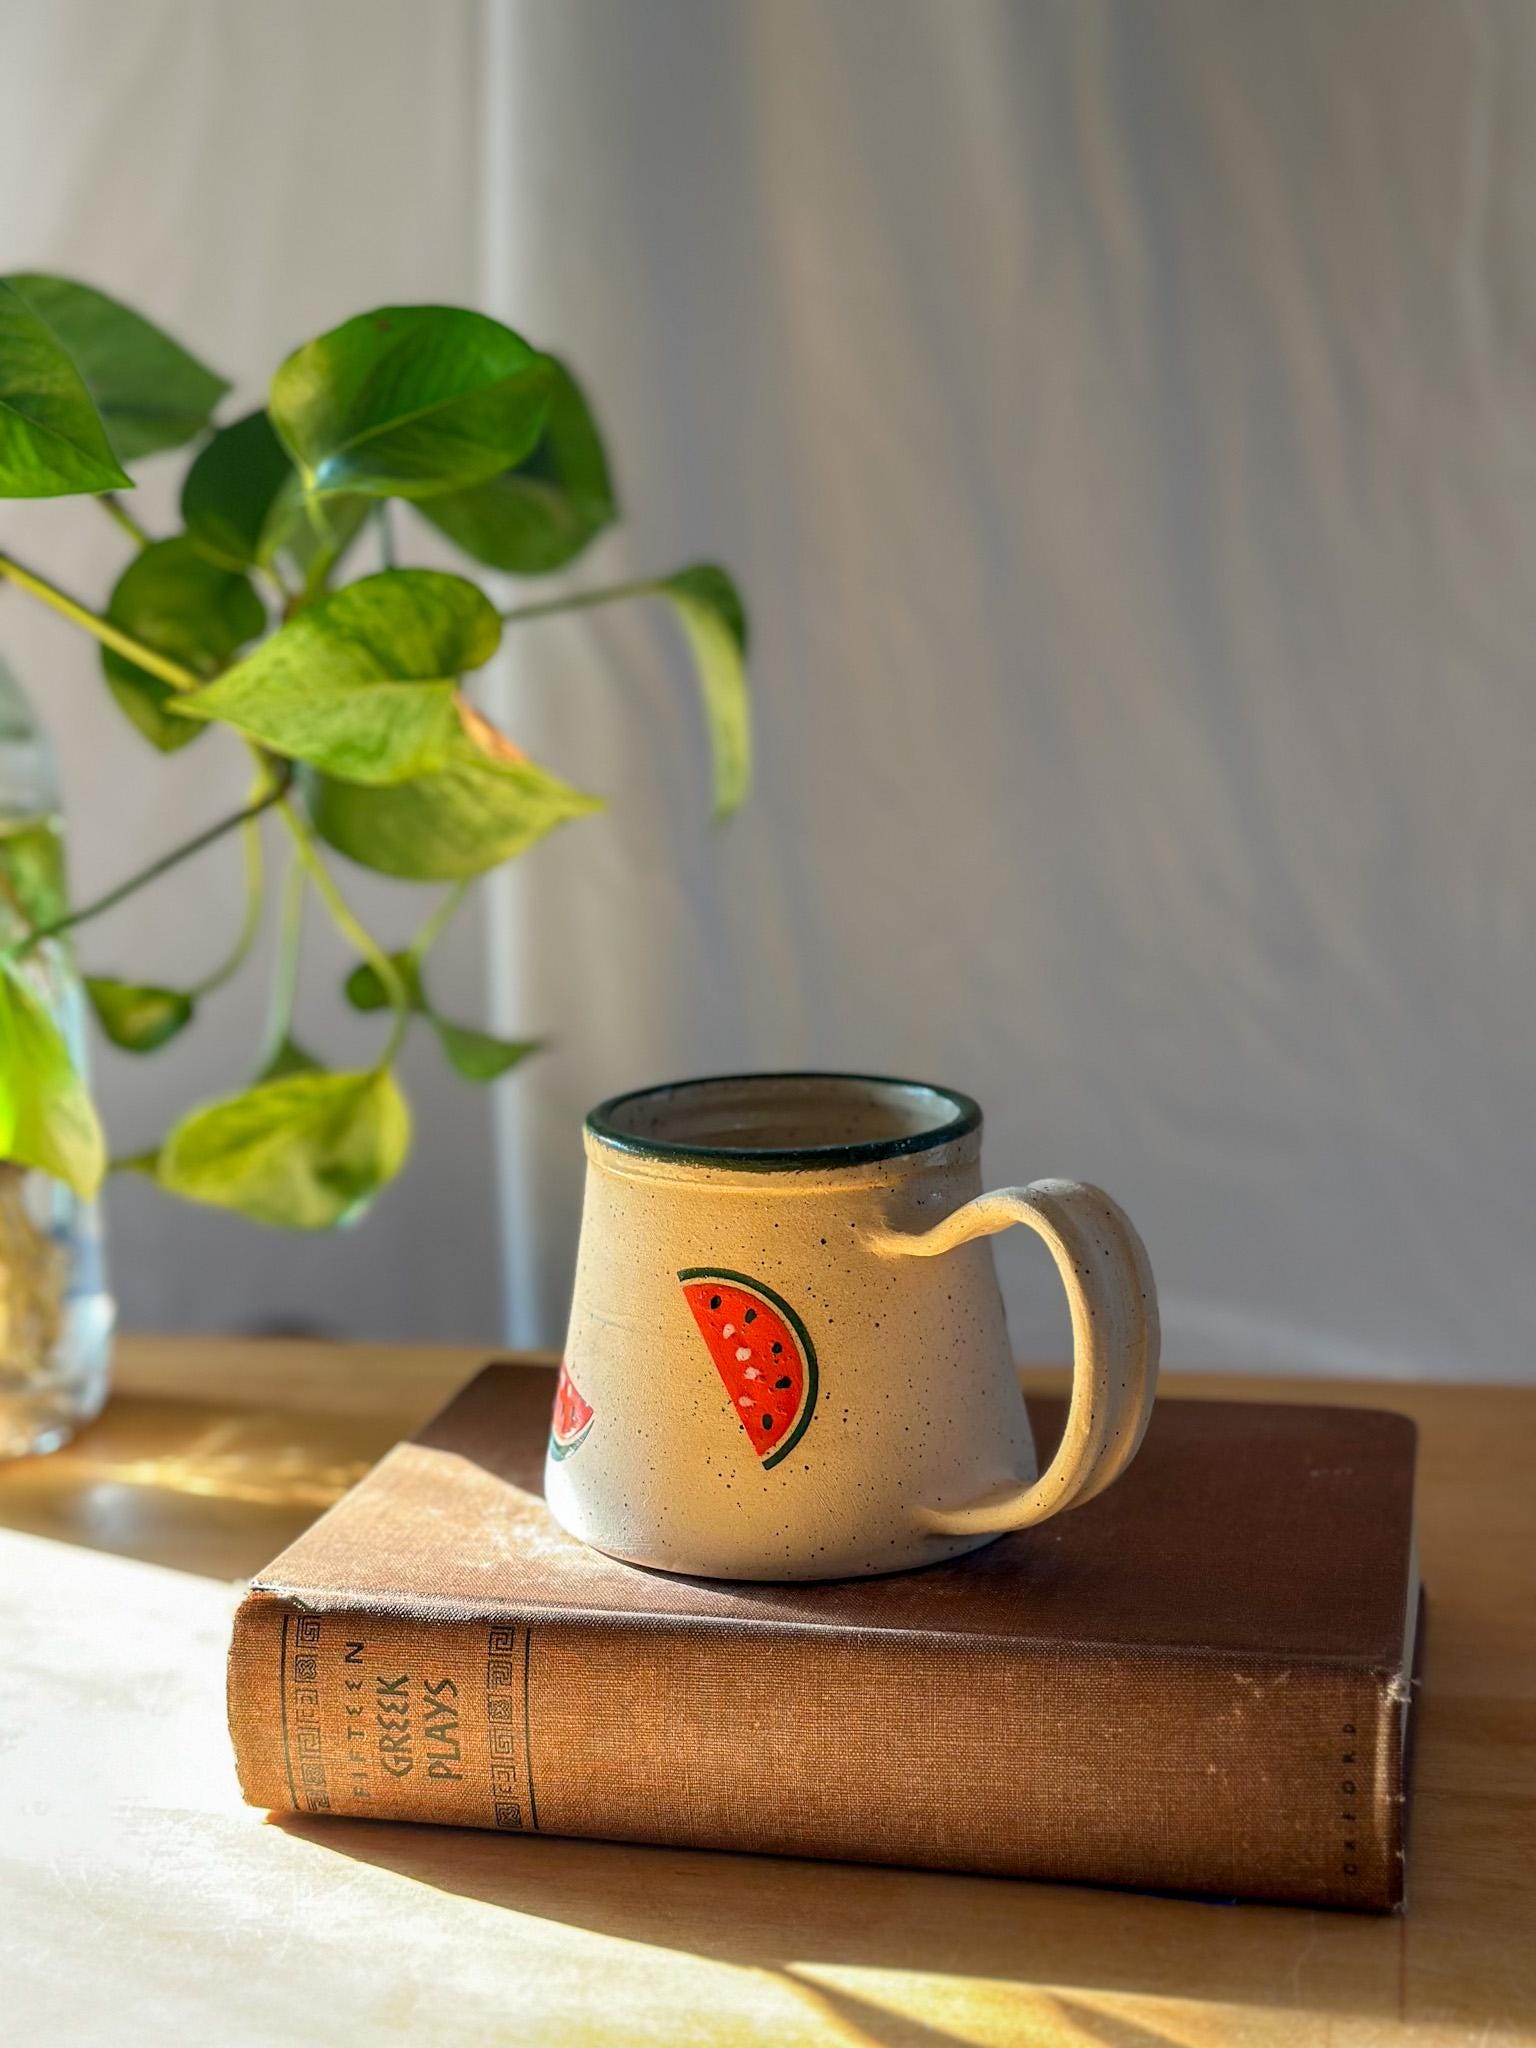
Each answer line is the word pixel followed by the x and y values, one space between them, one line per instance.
pixel 1199 1682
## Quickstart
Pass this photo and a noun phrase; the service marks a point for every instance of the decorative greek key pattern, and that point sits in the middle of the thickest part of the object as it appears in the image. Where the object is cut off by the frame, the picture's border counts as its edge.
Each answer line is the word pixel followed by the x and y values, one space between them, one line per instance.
pixel 507 1659
pixel 411 1717
pixel 304 1736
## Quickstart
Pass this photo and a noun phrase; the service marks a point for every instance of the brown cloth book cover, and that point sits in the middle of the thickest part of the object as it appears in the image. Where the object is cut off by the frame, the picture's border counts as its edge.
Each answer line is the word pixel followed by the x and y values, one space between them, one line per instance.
pixel 1198 1682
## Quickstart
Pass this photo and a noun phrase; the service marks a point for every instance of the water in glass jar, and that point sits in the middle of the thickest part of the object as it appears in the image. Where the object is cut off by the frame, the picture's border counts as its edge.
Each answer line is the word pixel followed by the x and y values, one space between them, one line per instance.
pixel 56 1314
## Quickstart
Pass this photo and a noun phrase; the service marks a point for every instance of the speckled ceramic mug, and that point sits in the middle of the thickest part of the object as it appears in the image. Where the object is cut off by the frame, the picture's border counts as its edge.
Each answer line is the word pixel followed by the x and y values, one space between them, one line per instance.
pixel 787 1355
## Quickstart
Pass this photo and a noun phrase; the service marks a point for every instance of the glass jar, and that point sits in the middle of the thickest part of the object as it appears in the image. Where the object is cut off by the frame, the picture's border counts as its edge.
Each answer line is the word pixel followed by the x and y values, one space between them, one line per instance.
pixel 56 1315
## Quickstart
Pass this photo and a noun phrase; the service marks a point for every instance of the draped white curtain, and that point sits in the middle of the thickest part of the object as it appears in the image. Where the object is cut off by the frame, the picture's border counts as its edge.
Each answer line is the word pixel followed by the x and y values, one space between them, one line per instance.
pixel 1121 420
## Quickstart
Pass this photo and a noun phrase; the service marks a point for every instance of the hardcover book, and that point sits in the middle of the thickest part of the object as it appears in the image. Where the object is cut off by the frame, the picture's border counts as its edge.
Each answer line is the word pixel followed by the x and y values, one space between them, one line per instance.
pixel 1199 1682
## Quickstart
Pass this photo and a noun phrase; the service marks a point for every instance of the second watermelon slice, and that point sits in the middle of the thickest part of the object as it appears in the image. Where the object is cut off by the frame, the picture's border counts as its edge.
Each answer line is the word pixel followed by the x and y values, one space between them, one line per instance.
pixel 572 1417
pixel 762 1352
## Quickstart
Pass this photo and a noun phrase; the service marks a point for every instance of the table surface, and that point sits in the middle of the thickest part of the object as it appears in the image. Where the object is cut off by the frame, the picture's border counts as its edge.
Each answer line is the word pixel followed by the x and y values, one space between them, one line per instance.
pixel 139 1900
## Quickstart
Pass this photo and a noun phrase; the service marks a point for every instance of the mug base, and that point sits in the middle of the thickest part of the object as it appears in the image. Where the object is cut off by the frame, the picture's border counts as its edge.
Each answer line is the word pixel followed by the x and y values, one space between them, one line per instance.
pixel 915 1555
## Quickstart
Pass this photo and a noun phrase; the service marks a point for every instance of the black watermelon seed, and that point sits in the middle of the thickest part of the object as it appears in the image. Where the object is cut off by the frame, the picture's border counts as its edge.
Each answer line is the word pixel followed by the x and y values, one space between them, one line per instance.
pixel 750 1316
pixel 714 1301
pixel 777 1349
pixel 767 1422
pixel 782 1383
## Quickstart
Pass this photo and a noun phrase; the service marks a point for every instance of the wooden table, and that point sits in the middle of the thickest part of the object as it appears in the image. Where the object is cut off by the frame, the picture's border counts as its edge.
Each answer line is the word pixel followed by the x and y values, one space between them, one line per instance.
pixel 140 1902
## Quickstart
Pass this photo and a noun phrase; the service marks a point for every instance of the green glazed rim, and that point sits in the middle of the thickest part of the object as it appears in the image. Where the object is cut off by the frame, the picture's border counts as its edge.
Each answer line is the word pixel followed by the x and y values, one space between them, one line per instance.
pixel 962 1118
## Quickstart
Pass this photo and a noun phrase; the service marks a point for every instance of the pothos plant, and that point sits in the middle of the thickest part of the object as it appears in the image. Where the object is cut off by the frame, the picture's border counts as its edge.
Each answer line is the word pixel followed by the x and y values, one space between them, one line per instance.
pixel 344 687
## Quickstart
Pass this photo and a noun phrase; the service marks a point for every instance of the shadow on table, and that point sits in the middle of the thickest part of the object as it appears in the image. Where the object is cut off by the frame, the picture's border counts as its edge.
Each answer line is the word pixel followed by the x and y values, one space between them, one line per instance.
pixel 801 1919
pixel 195 1486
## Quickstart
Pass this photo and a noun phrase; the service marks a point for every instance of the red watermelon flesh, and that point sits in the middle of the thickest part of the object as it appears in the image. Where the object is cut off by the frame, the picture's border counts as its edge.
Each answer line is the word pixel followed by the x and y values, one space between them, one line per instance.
pixel 763 1354
pixel 572 1417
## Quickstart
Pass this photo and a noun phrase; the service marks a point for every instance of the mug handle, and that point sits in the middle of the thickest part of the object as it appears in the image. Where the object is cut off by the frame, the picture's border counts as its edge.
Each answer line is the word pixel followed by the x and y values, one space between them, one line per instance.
pixel 1103 1266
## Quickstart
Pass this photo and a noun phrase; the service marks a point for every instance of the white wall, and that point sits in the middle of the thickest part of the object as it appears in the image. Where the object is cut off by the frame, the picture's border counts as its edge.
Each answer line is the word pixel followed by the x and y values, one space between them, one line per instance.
pixel 1121 419
pixel 249 175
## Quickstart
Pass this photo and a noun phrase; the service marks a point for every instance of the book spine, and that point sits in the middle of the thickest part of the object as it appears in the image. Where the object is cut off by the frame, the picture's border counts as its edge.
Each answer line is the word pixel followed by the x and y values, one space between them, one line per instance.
pixel 1159 1771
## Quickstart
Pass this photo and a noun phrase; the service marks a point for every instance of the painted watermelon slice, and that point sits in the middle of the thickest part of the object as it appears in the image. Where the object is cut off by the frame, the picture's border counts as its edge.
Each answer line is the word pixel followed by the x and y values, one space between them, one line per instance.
pixel 763 1353
pixel 572 1417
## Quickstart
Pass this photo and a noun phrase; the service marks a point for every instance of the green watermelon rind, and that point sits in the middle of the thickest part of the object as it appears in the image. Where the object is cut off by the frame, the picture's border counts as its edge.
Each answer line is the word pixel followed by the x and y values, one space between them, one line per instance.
pixel 807 1348
pixel 562 1447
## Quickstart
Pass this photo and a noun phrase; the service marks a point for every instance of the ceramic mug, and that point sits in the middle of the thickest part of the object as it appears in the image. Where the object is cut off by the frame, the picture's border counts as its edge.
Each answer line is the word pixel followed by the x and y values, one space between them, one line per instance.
pixel 787 1356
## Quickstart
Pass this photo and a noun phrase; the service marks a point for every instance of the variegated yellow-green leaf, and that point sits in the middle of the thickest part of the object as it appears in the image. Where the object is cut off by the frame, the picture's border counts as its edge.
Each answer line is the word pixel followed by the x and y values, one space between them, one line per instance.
pixel 488 803
pixel 47 1118
pixel 361 683
pixel 137 1016
pixel 715 622
pixel 306 1151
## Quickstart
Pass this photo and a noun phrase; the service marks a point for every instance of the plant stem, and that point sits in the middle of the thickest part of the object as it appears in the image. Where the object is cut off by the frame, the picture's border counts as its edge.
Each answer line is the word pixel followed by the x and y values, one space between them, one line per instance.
pixel 386 537
pixel 280 590
pixel 250 924
pixel 152 873
pixel 109 635
pixel 285 962
pixel 439 921
pixel 351 927
pixel 116 510
pixel 327 553
pixel 579 601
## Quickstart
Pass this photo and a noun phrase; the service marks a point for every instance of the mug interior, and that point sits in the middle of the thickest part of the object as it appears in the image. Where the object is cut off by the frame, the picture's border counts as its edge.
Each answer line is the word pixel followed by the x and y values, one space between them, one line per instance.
pixel 764 1121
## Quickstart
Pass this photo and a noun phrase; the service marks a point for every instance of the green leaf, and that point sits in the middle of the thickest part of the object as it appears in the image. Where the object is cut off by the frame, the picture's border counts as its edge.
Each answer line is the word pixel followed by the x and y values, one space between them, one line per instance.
pixel 715 623
pixel 138 1017
pixel 32 869
pixel 305 1152
pixel 47 1118
pixel 150 393
pixel 174 599
pixel 52 440
pixel 146 1163
pixel 311 534
pixel 361 683
pixel 540 514
pixel 289 1058
pixel 488 804
pixel 364 989
pixel 410 400
pixel 230 489
pixel 244 504
pixel 477 1055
